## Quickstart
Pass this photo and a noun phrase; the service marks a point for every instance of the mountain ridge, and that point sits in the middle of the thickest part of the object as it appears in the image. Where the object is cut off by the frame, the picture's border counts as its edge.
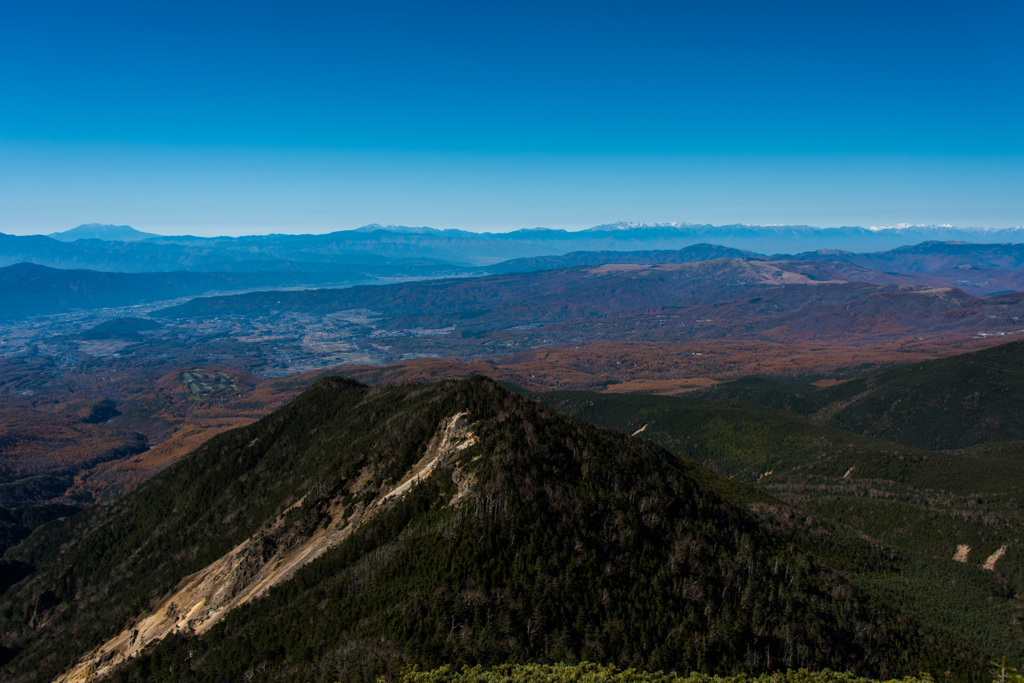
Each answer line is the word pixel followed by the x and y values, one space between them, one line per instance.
pixel 468 248
pixel 543 539
pixel 976 268
pixel 956 402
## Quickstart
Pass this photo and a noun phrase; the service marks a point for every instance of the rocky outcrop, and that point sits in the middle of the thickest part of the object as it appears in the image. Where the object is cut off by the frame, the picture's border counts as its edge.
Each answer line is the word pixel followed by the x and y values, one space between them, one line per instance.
pixel 268 559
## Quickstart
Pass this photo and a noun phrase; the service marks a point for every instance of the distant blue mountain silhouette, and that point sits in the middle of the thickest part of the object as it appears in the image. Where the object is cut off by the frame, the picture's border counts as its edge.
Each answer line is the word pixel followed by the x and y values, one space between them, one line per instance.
pixel 98 231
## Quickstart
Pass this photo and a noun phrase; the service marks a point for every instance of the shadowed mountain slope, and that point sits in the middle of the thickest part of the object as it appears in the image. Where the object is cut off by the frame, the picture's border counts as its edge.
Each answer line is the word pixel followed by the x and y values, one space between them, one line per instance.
pixel 954 402
pixel 358 530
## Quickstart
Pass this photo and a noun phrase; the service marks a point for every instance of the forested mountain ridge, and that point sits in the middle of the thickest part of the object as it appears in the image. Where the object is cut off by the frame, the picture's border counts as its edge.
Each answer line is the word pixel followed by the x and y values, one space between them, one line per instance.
pixel 534 536
pixel 966 504
pixel 954 402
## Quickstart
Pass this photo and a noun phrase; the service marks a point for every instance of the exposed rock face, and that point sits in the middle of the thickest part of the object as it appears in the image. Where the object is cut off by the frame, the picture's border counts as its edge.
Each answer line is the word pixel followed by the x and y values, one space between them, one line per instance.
pixel 990 563
pixel 962 551
pixel 269 558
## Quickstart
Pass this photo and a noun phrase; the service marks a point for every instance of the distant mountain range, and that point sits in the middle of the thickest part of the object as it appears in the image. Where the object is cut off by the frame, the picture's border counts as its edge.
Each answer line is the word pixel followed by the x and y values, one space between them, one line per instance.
pixel 121 248
pixel 97 231
pixel 273 253
pixel 976 269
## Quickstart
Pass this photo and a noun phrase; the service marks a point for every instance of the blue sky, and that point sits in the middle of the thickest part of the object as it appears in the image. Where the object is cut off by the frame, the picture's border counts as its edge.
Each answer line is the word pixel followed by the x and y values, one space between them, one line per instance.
pixel 232 118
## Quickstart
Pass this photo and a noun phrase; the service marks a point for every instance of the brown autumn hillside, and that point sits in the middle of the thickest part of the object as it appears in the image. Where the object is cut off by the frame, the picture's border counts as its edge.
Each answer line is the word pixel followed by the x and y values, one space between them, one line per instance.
pixel 667 328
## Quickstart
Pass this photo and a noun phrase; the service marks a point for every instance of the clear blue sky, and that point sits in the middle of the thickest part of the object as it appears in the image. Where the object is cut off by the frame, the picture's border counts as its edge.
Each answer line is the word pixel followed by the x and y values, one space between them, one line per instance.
pixel 231 118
